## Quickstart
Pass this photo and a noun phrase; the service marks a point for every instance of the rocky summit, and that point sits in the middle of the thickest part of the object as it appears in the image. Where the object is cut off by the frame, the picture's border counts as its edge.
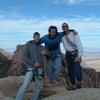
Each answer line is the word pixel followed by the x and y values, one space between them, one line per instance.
pixel 12 69
pixel 9 87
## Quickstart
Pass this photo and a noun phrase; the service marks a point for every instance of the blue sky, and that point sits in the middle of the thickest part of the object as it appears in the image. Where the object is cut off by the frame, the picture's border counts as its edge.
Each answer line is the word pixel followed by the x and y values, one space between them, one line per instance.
pixel 19 19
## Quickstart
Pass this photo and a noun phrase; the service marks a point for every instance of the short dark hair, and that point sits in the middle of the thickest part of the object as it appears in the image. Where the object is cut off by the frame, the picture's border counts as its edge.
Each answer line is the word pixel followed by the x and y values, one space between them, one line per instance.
pixel 36 33
pixel 53 27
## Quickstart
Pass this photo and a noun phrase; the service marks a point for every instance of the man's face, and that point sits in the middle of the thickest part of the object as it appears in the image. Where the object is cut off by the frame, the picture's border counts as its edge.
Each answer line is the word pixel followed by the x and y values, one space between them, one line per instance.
pixel 65 27
pixel 52 32
pixel 36 38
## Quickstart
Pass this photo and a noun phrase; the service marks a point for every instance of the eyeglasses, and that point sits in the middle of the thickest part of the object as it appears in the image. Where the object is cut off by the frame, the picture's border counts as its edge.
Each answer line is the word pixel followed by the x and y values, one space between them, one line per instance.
pixel 64 26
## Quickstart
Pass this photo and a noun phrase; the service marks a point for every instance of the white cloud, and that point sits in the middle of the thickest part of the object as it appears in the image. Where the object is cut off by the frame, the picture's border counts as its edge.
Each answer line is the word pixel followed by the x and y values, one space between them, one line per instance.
pixel 83 24
pixel 67 1
pixel 21 30
pixel 72 1
pixel 86 2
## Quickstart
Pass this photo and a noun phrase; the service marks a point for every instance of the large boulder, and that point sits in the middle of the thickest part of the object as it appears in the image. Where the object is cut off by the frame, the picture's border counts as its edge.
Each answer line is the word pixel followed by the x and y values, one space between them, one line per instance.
pixel 92 78
pixel 79 94
pixel 18 67
pixel 5 97
pixel 3 52
pixel 98 79
pixel 9 87
pixel 5 63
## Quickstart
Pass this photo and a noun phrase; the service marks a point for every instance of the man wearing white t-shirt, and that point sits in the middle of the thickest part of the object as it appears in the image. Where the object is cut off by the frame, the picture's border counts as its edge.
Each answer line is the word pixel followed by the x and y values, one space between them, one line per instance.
pixel 74 51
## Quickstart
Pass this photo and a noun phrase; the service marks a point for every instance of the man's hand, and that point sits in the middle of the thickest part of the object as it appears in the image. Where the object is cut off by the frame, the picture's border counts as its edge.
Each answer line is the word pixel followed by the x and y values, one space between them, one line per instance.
pixel 36 64
pixel 44 52
pixel 77 59
pixel 75 32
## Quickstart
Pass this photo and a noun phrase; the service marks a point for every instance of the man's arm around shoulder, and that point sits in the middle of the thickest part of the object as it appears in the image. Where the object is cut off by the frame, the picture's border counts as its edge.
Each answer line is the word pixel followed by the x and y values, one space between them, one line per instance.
pixel 45 52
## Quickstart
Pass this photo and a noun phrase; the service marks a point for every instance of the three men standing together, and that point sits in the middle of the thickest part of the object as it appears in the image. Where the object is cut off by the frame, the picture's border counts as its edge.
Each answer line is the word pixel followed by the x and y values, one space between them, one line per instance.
pixel 35 52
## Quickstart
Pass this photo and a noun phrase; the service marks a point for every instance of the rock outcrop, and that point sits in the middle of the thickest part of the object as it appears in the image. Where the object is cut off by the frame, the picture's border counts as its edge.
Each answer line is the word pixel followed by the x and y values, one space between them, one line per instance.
pixel 5 63
pixel 79 94
pixel 98 79
pixel 3 52
pixel 5 97
pixel 9 87
pixel 18 67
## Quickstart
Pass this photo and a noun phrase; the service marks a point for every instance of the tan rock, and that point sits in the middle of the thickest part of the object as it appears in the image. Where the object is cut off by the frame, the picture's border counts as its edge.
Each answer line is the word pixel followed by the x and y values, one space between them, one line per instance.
pixel 18 66
pixel 5 97
pixel 10 85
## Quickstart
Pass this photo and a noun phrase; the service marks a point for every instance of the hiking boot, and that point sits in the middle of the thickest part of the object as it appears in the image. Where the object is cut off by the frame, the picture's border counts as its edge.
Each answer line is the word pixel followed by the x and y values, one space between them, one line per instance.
pixel 79 85
pixel 72 87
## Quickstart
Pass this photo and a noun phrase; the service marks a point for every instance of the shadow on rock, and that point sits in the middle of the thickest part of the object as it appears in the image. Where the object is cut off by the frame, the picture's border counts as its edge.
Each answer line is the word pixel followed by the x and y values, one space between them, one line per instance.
pixel 46 93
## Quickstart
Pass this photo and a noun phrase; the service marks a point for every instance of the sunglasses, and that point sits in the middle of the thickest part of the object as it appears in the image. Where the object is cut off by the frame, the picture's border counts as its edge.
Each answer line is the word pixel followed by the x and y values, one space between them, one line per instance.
pixel 64 26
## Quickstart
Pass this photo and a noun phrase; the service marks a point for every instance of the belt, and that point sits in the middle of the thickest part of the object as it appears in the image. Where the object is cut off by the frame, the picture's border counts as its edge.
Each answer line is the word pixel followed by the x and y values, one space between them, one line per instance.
pixel 56 55
pixel 69 51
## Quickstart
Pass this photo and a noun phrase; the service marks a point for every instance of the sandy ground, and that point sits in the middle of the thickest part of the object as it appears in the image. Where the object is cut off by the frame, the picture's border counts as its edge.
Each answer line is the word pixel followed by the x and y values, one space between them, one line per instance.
pixel 92 61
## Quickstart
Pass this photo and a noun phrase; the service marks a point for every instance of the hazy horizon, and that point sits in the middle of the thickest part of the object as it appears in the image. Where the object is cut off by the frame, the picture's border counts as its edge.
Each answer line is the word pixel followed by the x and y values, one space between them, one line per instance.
pixel 86 50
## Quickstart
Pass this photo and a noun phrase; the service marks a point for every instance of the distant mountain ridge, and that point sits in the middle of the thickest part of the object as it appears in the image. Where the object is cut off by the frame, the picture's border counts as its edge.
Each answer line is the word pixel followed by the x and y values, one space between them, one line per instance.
pixel 91 50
